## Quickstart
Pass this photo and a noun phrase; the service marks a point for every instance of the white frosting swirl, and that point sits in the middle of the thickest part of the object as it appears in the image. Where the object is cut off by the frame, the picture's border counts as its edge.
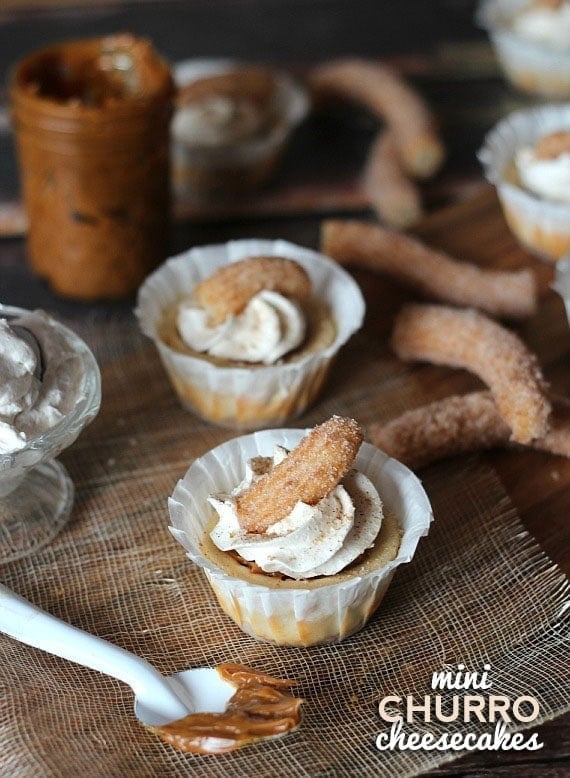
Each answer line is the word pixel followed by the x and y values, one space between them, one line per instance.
pixel 29 406
pixel 548 178
pixel 217 121
pixel 269 327
pixel 313 540
pixel 549 26
pixel 18 387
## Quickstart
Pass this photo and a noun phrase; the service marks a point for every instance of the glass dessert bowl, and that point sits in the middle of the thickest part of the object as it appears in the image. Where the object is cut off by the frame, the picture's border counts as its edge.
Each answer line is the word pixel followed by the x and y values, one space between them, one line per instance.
pixel 301 611
pixel 36 493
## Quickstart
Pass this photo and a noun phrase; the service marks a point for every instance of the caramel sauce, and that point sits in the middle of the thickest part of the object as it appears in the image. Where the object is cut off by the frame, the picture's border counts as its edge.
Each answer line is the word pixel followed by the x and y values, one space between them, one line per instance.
pixel 260 708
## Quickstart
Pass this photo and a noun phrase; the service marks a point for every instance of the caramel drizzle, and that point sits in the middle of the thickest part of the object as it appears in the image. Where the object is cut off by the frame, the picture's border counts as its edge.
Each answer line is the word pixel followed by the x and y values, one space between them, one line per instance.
pixel 260 708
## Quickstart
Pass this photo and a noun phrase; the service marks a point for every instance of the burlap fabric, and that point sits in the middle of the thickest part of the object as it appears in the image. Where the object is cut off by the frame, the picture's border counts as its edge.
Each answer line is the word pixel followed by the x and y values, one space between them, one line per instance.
pixel 479 590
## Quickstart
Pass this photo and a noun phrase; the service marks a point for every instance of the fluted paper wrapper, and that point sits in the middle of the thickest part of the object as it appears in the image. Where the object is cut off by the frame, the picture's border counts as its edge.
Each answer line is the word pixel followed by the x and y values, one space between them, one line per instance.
pixel 297 616
pixel 541 225
pixel 562 282
pixel 530 66
pixel 243 397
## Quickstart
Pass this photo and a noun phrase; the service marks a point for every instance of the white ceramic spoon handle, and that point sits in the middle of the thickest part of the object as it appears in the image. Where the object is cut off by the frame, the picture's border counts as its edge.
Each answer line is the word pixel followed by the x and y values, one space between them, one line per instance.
pixel 33 626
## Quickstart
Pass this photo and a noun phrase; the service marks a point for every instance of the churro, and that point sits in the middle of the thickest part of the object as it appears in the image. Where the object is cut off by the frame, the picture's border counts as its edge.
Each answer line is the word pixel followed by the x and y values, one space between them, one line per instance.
pixel 250 82
pixel 469 339
pixel 552 145
pixel 307 474
pixel 389 97
pixel 394 196
pixel 508 293
pixel 459 424
pixel 229 289
pixel 441 429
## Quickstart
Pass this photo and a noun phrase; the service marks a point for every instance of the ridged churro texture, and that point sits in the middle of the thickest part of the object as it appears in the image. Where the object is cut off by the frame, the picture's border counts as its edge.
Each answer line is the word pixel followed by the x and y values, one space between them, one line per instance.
pixel 395 197
pixel 459 424
pixel 508 293
pixel 229 289
pixel 389 97
pixel 442 429
pixel 308 473
pixel 470 340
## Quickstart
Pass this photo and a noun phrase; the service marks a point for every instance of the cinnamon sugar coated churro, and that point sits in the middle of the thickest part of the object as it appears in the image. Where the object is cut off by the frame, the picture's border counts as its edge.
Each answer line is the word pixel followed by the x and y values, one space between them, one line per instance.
pixel 451 426
pixel 459 424
pixel 389 97
pixel 509 293
pixel 228 290
pixel 552 145
pixel 308 473
pixel 468 339
pixel 394 197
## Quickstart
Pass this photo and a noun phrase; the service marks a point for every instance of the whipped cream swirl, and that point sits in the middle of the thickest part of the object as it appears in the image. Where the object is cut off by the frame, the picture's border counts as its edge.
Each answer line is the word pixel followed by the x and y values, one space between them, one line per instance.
pixel 545 25
pixel 269 327
pixel 218 121
pixel 29 406
pixel 548 178
pixel 19 388
pixel 313 540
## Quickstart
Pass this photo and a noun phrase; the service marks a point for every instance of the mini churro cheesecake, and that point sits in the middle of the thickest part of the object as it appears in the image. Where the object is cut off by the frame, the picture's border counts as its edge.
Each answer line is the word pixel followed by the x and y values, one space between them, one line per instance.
pixel 231 124
pixel 247 331
pixel 532 41
pixel 527 157
pixel 299 532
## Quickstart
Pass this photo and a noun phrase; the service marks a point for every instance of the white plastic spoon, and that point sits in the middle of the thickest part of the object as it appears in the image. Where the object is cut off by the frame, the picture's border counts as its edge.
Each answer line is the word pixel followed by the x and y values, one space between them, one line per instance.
pixel 159 700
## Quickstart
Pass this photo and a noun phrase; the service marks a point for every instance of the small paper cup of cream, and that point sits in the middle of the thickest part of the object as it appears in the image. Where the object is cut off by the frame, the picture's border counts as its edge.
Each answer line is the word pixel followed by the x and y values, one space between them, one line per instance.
pixel 298 612
pixel 239 164
pixel 533 51
pixel 540 223
pixel 257 395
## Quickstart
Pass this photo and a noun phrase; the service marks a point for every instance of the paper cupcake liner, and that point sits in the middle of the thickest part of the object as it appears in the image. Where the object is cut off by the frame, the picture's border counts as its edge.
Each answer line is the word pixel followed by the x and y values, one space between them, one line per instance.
pixel 297 616
pixel 562 282
pixel 541 225
pixel 530 66
pixel 248 397
pixel 245 164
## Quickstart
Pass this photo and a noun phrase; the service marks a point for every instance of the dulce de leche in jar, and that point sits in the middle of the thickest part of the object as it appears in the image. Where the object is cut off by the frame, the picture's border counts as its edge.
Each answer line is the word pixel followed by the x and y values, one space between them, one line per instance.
pixel 91 120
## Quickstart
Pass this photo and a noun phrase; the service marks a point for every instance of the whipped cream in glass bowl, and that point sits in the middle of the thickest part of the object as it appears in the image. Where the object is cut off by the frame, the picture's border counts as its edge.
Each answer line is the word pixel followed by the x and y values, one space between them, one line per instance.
pixel 50 389
pixel 321 573
pixel 532 41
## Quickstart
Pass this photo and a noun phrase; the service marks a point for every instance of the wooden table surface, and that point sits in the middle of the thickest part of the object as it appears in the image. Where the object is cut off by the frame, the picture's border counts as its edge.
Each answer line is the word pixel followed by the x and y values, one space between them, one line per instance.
pixel 437 45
